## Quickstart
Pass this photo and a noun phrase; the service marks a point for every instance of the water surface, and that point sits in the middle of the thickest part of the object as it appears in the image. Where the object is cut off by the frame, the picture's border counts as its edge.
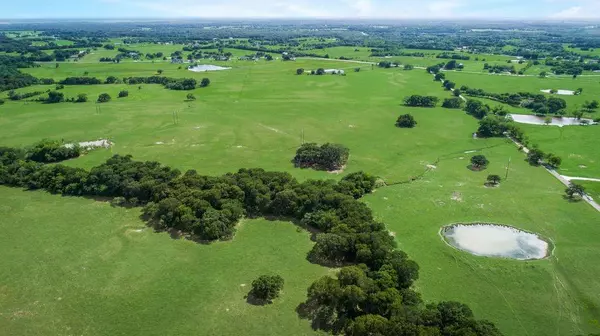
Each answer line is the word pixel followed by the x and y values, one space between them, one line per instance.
pixel 495 241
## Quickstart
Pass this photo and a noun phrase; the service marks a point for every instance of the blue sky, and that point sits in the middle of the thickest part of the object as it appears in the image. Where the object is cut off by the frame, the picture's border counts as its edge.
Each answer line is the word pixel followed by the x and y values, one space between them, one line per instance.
pixel 518 9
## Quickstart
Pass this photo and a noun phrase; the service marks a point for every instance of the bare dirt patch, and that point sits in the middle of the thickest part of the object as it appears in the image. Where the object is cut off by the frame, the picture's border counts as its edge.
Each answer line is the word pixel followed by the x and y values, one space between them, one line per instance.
pixel 456 196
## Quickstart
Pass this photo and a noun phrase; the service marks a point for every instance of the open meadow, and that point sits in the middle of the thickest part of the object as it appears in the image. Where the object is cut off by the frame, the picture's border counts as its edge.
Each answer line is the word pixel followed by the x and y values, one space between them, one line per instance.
pixel 79 266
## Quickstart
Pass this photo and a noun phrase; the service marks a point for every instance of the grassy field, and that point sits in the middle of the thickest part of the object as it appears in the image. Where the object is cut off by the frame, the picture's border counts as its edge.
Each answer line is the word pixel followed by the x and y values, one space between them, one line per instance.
pixel 504 84
pixel 253 116
pixel 96 270
pixel 576 145
pixel 591 188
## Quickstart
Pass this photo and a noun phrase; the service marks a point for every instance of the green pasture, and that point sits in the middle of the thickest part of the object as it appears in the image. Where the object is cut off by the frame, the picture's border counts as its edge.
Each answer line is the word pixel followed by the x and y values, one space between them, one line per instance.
pixel 576 145
pixel 113 280
pixel 592 188
pixel 591 53
pixel 76 266
pixel 509 84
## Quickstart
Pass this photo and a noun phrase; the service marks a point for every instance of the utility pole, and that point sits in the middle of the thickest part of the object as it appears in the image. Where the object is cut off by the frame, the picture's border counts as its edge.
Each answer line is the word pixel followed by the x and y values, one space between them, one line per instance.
pixel 303 136
pixel 507 168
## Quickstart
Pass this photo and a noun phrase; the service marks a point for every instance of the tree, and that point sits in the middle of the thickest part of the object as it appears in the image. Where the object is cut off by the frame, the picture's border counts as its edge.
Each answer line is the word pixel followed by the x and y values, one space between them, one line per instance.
pixel 190 96
pixel 268 57
pixel 266 287
pixel 320 71
pixel 55 97
pixel 299 71
pixel 159 71
pixel 439 77
pixel 452 103
pixel 543 74
pixel 535 156
pixel 476 108
pixel 1 101
pixel 81 98
pixel 575 190
pixel 103 98
pixel 204 82
pixel 406 121
pixel 123 93
pixel 591 105
pixel 421 101
pixel 553 160
pixel 449 85
pixel 451 65
pixel 457 92
pixel 479 162
pixel 408 66
pixel 493 179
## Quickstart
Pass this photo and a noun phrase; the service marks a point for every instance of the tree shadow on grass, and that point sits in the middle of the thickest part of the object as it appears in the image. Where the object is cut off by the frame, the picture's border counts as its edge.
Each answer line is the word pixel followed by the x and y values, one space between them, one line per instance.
pixel 175 234
pixel 321 317
pixel 572 199
pixel 475 168
pixel 256 301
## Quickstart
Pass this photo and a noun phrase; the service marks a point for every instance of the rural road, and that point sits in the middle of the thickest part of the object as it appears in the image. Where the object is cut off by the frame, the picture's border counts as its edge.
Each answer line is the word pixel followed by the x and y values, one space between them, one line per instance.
pixel 581 178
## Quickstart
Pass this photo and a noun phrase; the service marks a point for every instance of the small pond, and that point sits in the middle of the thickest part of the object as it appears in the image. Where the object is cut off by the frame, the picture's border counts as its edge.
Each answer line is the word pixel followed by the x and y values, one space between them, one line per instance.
pixel 535 120
pixel 492 240
pixel 206 67
pixel 560 92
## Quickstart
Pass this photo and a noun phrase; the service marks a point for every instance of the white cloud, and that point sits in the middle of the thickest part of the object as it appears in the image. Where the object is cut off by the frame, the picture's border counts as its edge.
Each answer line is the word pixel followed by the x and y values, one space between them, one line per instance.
pixel 444 8
pixel 362 7
pixel 571 12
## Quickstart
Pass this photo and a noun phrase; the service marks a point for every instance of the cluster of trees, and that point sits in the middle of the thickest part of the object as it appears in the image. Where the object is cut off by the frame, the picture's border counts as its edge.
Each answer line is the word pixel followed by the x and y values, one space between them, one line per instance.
pixel 453 56
pixel 266 287
pixel 421 101
pixel 373 296
pixel 378 300
pixel 387 64
pixel 44 151
pixel 539 103
pixel 497 126
pixel 453 64
pixel 81 81
pixel 561 67
pixel 167 82
pixel 453 103
pixel 12 95
pixel 110 60
pixel 395 52
pixel 406 121
pixel 103 98
pixel 499 68
pixel 10 76
pixel 536 157
pixel 325 157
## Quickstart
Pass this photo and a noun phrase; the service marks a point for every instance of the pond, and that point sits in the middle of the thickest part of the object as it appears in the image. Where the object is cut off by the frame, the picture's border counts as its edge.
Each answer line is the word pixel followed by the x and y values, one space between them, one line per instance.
pixel 535 120
pixel 206 67
pixel 560 92
pixel 491 240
